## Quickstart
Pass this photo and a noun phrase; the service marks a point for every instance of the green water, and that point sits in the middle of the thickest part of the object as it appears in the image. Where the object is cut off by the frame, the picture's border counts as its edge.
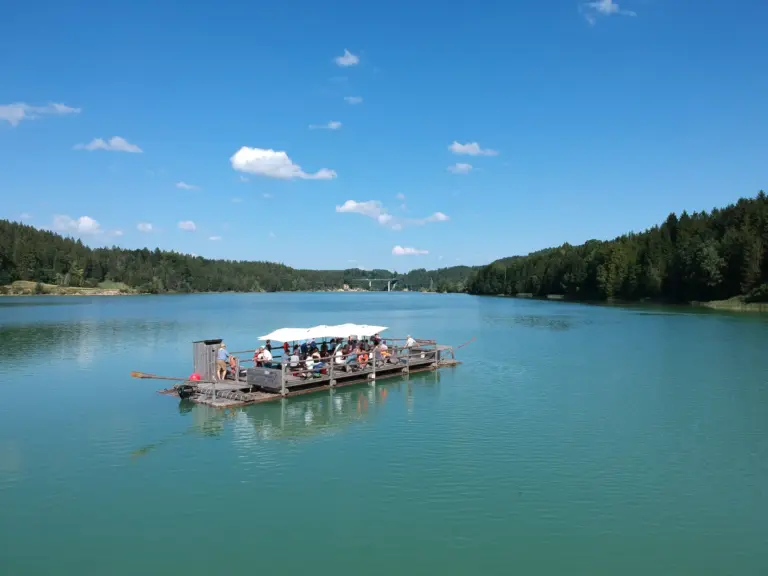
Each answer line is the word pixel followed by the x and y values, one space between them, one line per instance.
pixel 574 440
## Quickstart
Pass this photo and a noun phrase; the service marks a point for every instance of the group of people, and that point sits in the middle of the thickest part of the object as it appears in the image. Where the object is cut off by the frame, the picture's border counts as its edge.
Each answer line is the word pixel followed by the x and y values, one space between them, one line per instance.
pixel 313 358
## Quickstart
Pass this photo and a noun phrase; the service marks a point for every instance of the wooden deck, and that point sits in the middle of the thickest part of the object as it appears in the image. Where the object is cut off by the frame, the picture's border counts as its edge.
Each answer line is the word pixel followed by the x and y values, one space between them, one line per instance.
pixel 231 393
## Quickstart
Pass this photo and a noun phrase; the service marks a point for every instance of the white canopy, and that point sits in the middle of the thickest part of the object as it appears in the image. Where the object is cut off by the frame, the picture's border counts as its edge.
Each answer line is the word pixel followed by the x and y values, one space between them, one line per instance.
pixel 361 330
pixel 323 331
pixel 286 335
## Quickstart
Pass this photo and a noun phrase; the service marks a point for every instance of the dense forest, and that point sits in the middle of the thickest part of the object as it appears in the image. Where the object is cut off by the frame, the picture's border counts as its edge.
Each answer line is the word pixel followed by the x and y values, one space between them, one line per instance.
pixel 693 257
pixel 27 253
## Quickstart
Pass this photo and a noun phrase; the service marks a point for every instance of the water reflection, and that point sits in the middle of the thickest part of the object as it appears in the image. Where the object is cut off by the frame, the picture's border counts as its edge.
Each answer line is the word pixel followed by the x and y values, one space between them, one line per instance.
pixel 316 414
pixel 83 340
pixel 551 322
pixel 329 412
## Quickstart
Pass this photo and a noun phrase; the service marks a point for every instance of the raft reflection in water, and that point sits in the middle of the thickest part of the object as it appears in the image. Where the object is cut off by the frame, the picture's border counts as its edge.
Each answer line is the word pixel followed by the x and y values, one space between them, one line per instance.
pixel 313 414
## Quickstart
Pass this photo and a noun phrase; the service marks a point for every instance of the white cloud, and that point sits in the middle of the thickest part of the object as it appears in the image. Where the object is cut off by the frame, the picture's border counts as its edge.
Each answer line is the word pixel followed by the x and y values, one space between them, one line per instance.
pixel 144 227
pixel 437 217
pixel 267 195
pixel 236 200
pixel 214 238
pixel 400 196
pixel 460 168
pixel 187 225
pixel 117 232
pixel 115 144
pixel 405 251
pixel 18 111
pixel 347 59
pixel 604 8
pixel 25 216
pixel 332 125
pixel 353 99
pixel 471 149
pixel 243 179
pixel 439 257
pixel 83 225
pixel 274 164
pixel 185 186
pixel 370 208
pixel 375 210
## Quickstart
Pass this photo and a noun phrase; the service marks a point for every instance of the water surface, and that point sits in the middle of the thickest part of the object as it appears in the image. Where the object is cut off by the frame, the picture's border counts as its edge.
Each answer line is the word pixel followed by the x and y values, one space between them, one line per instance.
pixel 573 440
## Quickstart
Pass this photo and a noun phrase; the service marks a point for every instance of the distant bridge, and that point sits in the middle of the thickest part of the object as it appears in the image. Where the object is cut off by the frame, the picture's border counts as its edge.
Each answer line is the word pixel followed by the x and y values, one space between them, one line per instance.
pixel 390 282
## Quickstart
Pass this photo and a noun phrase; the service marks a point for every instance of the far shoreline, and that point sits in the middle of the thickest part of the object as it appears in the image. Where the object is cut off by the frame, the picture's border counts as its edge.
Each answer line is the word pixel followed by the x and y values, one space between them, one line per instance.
pixel 736 304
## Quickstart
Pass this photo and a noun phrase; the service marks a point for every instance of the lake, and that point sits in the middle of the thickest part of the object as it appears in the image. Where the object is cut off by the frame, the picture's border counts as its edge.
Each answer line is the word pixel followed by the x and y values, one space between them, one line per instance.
pixel 573 440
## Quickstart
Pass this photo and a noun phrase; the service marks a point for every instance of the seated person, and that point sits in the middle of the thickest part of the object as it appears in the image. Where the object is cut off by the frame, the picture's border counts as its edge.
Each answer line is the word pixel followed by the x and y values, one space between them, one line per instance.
pixel 263 357
pixel 294 359
pixel 309 363
pixel 318 360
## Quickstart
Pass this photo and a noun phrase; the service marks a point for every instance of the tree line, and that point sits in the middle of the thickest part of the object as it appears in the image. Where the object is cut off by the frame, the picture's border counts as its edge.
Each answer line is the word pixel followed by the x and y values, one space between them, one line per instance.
pixel 28 253
pixel 694 257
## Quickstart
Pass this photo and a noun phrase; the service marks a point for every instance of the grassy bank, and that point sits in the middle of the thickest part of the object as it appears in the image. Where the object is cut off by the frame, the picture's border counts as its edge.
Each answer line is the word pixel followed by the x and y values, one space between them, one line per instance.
pixel 28 288
pixel 737 304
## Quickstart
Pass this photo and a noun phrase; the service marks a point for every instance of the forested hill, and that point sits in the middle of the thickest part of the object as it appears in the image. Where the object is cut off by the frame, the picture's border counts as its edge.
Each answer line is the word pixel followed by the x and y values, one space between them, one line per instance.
pixel 693 257
pixel 27 253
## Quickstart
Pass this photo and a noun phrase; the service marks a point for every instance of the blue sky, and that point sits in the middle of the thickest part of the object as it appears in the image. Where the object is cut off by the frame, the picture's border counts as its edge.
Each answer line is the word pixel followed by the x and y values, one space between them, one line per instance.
pixel 579 120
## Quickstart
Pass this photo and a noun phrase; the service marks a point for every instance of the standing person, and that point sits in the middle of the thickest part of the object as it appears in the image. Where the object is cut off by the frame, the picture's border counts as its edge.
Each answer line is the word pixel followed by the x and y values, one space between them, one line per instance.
pixel 221 362
pixel 268 345
pixel 410 342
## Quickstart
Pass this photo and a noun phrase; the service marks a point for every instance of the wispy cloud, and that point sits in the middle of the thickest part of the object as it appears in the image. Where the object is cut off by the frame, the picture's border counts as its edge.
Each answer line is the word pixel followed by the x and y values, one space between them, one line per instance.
pixel 144 227
pixel 187 225
pixel 84 225
pixel 25 216
pixel 185 186
pixel 274 164
pixel 236 200
pixel 460 168
pixel 114 144
pixel 214 238
pixel 243 178
pixel 332 125
pixel 471 149
pixel 266 195
pixel 405 251
pixel 376 210
pixel 592 10
pixel 353 99
pixel 400 196
pixel 18 111
pixel 347 59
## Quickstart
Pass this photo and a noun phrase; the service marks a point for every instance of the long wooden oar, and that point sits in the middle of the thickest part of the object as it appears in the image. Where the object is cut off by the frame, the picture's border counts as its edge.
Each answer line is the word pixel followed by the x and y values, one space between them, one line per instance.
pixel 172 378
pixel 156 377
